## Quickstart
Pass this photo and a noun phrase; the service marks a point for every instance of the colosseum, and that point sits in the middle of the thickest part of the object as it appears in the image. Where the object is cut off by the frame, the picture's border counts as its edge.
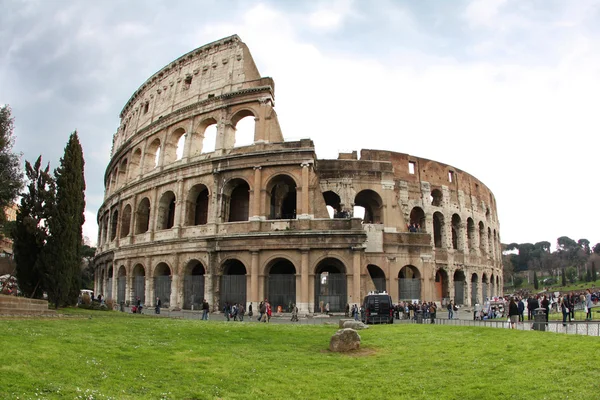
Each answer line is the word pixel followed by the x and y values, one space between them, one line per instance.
pixel 193 211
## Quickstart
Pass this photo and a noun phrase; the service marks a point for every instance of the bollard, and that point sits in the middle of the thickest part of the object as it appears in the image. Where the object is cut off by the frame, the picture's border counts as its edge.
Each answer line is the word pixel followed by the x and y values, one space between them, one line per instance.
pixel 419 317
pixel 539 319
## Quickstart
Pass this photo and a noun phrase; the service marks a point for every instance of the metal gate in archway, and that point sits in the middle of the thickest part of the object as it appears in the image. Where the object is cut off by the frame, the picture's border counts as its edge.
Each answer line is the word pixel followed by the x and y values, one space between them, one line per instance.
pixel 282 291
pixel 409 289
pixel 139 289
pixel 459 292
pixel 109 293
pixel 474 293
pixel 193 291
pixel 331 288
pixel 162 289
pixel 233 289
pixel 121 288
pixel 484 291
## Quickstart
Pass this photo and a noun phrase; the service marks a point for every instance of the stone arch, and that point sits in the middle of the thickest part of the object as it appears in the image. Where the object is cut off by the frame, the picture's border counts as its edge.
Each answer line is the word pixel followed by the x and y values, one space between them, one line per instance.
pixel 121 284
pixel 492 286
pixel 114 223
pixel 331 284
pixel 151 158
pixel 439 233
pixel 377 277
pixel 205 139
pixel 281 197
pixel 334 204
pixel 459 287
pixel 485 292
pixel 236 200
pixel 166 211
pixel 441 284
pixel 197 205
pixel 372 203
pixel 436 198
pixel 244 123
pixel 409 283
pixel 417 217
pixel 490 242
pixel 162 284
pixel 233 282
pixel 122 176
pixel 474 281
pixel 139 283
pixel 193 285
pixel 125 221
pixel 109 283
pixel 481 237
pixel 173 147
pixel 142 218
pixel 471 233
pixel 281 283
pixel 135 164
pixel 457 233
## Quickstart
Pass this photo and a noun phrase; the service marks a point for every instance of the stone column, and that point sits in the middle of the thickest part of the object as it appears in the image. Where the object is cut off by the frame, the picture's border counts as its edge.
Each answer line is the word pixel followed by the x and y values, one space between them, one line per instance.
pixel 256 194
pixel 189 136
pixel 356 274
pixel 304 282
pixel 153 217
pixel 114 281
pixel 388 205
pixel 149 284
pixel 303 211
pixel 254 296
pixel 179 208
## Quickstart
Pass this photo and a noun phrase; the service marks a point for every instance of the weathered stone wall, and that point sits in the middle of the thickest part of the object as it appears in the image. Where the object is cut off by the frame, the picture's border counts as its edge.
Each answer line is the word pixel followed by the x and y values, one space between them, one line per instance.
pixel 22 306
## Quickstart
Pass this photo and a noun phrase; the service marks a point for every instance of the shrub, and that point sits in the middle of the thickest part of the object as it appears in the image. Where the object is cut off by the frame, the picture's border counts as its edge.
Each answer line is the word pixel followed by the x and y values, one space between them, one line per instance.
pixel 110 304
pixel 86 299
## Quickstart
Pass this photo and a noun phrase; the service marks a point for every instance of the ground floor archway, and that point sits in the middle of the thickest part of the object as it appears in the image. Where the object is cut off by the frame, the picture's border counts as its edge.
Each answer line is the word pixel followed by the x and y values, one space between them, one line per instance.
pixel 409 283
pixel 330 285
pixel 233 283
pixel 193 285
pixel 281 285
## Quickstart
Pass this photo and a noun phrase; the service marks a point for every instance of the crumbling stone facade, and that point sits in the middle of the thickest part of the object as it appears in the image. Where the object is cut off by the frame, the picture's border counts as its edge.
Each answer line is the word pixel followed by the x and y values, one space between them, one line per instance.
pixel 183 220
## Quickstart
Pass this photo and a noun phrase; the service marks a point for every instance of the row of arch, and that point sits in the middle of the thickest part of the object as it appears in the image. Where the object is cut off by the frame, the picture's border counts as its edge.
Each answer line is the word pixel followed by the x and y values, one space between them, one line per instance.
pixel 436 199
pixel 164 151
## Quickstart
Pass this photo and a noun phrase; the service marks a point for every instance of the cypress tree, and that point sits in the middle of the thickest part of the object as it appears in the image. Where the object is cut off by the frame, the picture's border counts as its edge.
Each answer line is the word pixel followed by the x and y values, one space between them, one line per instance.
pixel 594 275
pixel 30 232
pixel 66 240
pixel 536 285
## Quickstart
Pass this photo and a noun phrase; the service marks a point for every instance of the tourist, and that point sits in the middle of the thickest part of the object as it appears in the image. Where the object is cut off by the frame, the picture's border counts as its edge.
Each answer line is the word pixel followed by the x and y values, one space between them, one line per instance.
pixel 205 309
pixel 240 312
pixel 562 303
pixel 294 313
pixel 269 311
pixel 546 306
pixel 139 304
pixel 227 310
pixel 347 314
pixel 521 306
pixel 157 308
pixel 450 310
pixel 355 312
pixel 588 305
pixel 513 312
pixel 432 311
pixel 250 310
pixel 327 308
pixel 262 310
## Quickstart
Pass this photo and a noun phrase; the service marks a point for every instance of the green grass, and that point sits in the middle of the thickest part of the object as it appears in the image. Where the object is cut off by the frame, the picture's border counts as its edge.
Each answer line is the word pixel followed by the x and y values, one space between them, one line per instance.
pixel 125 356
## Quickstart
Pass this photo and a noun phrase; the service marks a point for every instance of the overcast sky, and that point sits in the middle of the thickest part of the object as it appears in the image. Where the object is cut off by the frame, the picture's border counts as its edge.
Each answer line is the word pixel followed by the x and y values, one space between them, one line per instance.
pixel 507 90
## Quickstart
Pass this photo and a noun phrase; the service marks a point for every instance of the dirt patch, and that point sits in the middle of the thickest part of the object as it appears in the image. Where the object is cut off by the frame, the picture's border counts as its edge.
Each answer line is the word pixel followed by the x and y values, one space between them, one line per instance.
pixel 362 352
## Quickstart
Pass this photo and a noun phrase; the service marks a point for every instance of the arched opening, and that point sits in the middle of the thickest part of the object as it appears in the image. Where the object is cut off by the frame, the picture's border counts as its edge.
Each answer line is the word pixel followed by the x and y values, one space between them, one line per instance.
pixel 114 222
pixel 139 284
pixel 174 146
pixel 485 292
pixel 492 287
pixel 441 284
pixel 244 123
pixel 438 229
pixel 121 284
pixel 474 289
pixel 102 282
pixel 334 206
pixel 135 164
pixel 125 221
pixel 330 285
pixel 481 238
pixel 409 283
pixel 436 198
pixel 456 232
pixel 237 200
pixel 378 277
pixel 487 213
pixel 109 284
pixel 459 287
pixel 233 283
pixel 193 285
pixel 471 233
pixel 162 284
pixel 166 210
pixel 281 192
pixel 490 242
pixel 142 218
pixel 152 155
pixel 208 135
pixel 417 219
pixel 373 205
pixel 197 205
pixel 281 284
pixel 122 179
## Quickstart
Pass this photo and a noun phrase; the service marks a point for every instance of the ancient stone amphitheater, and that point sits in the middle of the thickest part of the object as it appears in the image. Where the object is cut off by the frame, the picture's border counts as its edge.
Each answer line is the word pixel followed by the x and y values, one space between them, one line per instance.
pixel 191 212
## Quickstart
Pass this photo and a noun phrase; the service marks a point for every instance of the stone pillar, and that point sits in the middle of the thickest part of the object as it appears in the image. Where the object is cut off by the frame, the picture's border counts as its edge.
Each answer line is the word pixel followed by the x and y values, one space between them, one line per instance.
pixel 256 201
pixel 153 217
pixel 389 222
pixel 114 281
pixel 303 211
pixel 356 257
pixel 174 298
pixel 179 214
pixel 254 295
pixel 149 286
pixel 303 304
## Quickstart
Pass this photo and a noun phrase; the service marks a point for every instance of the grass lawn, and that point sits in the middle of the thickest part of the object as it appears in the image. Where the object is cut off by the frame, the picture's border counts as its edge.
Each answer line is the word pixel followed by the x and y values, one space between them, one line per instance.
pixel 126 356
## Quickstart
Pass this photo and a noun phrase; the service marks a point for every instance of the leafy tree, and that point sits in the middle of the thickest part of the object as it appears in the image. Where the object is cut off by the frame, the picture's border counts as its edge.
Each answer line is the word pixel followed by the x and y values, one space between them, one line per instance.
pixel 536 284
pixel 594 275
pixel 588 276
pixel 596 248
pixel 571 274
pixel 87 267
pixel 563 278
pixel 65 243
pixel 517 281
pixel 584 244
pixel 11 176
pixel 30 232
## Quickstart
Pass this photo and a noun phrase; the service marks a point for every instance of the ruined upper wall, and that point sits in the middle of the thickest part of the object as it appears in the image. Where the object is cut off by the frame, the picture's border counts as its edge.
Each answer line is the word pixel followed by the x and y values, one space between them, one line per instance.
pixel 218 68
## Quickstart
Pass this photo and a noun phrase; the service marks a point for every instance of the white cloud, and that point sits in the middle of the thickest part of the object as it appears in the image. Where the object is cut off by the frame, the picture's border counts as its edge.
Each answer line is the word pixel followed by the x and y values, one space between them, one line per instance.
pixel 90 227
pixel 330 16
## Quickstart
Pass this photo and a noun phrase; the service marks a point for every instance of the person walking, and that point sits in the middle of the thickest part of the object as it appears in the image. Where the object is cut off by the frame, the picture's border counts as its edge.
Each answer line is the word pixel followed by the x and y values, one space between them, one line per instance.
pixel 250 310
pixel 205 309
pixel 588 305
pixel 513 313
pixel 157 308
pixel 451 309
pixel 294 313
pixel 564 309
pixel 521 306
